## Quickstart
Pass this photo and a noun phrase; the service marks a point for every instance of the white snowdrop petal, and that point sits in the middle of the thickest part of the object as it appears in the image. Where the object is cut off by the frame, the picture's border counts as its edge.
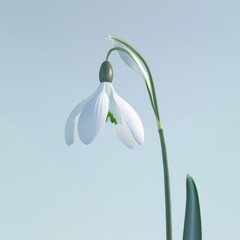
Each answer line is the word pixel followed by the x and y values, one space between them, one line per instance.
pixel 133 121
pixel 125 135
pixel 130 116
pixel 71 133
pixel 93 117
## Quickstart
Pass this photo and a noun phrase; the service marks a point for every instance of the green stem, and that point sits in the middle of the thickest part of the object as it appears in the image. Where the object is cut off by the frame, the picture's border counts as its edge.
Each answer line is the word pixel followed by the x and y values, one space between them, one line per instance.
pixel 166 186
pixel 153 100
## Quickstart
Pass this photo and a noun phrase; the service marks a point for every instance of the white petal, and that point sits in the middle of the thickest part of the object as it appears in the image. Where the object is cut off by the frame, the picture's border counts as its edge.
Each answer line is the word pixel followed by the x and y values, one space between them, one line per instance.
pixel 125 135
pixel 71 133
pixel 128 115
pixel 93 117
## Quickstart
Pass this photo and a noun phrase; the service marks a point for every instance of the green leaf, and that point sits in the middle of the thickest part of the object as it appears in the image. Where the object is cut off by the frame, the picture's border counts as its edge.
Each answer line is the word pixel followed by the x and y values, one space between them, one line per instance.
pixel 192 224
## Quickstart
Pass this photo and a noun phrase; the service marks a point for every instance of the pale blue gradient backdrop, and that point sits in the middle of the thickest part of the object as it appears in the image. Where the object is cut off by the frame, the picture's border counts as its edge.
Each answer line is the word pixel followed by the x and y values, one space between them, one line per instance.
pixel 50 54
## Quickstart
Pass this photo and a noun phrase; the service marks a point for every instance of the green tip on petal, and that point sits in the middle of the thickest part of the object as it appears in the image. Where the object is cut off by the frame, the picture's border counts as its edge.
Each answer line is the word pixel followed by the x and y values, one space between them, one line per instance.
pixel 112 118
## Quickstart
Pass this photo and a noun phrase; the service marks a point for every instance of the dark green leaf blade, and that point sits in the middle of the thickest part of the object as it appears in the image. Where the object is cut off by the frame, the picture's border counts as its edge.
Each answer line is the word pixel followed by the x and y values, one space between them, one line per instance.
pixel 192 224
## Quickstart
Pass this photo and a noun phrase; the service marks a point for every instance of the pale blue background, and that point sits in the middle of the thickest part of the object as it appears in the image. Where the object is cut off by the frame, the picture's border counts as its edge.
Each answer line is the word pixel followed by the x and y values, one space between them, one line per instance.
pixel 50 54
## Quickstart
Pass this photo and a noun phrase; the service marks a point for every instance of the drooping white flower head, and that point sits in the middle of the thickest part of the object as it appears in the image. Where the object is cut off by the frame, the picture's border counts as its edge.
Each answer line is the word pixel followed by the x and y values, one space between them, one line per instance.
pixel 88 118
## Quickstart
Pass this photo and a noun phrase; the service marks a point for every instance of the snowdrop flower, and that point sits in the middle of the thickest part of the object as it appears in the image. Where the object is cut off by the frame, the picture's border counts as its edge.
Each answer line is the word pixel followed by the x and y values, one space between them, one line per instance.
pixel 88 118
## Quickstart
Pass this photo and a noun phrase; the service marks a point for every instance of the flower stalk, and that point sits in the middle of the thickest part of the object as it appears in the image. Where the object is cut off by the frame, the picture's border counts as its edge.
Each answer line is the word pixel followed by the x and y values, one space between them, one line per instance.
pixel 142 66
